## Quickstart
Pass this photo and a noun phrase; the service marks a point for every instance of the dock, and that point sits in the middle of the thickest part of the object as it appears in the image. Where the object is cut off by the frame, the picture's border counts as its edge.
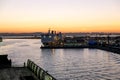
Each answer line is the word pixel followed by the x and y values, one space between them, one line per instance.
pixel 17 73
pixel 29 72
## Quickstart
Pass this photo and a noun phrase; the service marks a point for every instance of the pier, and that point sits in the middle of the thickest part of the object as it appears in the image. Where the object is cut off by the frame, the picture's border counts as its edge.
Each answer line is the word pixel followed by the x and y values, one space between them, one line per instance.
pixel 29 72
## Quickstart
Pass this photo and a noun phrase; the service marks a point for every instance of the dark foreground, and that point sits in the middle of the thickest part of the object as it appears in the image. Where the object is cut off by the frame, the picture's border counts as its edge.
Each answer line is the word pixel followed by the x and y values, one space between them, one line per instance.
pixel 29 72
pixel 16 73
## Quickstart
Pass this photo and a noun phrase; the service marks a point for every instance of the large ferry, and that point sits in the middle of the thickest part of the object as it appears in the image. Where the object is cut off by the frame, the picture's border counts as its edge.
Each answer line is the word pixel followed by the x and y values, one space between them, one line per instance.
pixel 51 39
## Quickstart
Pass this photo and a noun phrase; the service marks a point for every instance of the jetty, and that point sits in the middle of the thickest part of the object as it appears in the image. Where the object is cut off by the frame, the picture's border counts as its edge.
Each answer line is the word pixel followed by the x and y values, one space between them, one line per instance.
pixel 29 72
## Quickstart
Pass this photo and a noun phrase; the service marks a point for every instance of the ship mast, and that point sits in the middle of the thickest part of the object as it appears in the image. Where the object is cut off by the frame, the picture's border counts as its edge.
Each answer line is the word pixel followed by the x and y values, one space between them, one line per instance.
pixel 49 30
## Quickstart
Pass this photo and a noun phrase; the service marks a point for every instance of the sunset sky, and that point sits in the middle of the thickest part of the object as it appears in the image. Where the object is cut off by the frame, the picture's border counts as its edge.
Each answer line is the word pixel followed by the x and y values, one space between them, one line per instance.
pixel 61 15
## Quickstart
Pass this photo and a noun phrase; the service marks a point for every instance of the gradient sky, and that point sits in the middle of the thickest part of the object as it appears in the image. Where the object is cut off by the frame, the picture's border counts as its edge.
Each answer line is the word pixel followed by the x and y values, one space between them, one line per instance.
pixel 61 15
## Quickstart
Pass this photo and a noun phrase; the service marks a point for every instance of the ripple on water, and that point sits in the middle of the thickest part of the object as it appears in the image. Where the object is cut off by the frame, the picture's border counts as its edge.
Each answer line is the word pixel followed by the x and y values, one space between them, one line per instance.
pixel 65 64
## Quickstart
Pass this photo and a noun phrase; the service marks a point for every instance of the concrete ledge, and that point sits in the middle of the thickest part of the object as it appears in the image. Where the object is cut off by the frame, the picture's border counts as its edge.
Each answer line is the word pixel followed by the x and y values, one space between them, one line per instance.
pixel 14 73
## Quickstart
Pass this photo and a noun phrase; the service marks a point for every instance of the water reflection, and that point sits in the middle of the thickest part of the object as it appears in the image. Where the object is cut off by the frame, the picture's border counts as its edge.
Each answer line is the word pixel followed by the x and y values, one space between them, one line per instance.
pixel 83 64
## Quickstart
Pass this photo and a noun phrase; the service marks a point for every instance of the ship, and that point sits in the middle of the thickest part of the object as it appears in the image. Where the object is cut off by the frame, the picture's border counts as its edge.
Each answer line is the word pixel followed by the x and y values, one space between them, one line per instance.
pixel 51 39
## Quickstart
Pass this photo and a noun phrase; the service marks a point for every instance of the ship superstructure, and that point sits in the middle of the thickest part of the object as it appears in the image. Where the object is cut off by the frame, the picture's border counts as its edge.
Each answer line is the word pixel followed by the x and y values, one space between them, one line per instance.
pixel 51 39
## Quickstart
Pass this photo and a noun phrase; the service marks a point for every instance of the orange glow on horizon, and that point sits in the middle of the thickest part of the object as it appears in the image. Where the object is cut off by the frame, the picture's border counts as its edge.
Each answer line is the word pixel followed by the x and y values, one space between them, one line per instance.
pixel 44 28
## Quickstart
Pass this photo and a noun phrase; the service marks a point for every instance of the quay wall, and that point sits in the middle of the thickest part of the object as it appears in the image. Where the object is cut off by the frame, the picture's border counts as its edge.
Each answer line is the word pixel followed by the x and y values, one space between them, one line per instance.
pixel 106 48
pixel 109 48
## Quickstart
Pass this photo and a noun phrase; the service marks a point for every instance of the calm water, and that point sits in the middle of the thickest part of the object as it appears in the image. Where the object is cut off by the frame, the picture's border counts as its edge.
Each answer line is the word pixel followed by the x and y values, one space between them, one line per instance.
pixel 64 64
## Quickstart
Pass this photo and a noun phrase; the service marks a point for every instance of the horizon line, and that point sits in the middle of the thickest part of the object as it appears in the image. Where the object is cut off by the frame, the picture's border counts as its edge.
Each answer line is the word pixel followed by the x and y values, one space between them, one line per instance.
pixel 58 31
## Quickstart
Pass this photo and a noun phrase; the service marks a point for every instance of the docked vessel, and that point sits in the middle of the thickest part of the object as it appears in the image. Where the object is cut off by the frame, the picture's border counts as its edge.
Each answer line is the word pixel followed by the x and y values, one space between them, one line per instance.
pixel 51 39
